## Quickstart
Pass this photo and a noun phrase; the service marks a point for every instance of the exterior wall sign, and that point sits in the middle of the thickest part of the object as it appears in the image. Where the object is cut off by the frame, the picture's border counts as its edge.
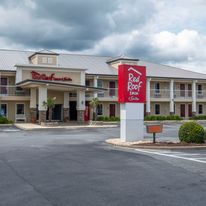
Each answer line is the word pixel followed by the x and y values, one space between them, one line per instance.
pixel 52 77
pixel 131 84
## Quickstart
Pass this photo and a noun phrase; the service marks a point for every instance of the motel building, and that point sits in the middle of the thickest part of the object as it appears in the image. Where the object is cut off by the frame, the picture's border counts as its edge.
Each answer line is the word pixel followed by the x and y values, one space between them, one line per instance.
pixel 28 78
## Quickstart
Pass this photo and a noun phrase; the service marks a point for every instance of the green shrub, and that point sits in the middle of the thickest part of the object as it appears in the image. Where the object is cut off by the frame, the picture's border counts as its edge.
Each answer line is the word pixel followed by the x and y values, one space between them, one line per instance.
pixel 100 118
pixel 107 119
pixel 4 120
pixel 112 119
pixel 161 118
pixel 200 117
pixel 205 134
pixel 117 119
pixel 191 132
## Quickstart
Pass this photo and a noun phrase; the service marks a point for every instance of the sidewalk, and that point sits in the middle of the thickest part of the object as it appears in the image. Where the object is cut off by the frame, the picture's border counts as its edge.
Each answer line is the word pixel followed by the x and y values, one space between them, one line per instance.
pixel 30 126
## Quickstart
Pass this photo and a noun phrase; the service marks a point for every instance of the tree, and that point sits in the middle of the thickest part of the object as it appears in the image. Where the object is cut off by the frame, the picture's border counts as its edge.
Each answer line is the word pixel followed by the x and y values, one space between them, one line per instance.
pixel 50 104
pixel 94 102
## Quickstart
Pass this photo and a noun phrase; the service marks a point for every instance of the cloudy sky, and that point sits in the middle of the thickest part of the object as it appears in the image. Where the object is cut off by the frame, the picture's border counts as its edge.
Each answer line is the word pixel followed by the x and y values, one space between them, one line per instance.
pixel 162 31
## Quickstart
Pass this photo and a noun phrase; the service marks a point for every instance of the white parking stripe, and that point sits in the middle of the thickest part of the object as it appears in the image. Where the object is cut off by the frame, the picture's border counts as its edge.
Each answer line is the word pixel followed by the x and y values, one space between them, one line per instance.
pixel 170 155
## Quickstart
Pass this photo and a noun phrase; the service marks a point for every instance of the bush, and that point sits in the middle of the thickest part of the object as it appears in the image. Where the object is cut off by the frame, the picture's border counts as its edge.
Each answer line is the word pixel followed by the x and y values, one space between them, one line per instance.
pixel 200 117
pixel 4 120
pixel 161 118
pixel 107 119
pixel 205 134
pixel 100 118
pixel 191 132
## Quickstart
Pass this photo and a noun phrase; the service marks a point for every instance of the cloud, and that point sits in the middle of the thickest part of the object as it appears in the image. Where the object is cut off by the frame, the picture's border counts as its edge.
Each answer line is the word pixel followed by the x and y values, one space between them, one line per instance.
pixel 74 25
pixel 169 32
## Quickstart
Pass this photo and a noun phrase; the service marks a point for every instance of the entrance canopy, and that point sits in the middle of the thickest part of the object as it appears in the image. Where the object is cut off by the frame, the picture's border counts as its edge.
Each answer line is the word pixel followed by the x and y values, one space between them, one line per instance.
pixel 31 83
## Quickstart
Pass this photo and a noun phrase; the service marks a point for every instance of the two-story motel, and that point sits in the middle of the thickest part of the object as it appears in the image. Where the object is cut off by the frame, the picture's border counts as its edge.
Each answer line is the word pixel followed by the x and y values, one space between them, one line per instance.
pixel 28 78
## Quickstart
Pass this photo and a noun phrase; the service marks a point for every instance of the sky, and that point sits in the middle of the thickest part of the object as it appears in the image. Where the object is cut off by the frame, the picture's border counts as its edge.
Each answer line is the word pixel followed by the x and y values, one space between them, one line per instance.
pixel 161 31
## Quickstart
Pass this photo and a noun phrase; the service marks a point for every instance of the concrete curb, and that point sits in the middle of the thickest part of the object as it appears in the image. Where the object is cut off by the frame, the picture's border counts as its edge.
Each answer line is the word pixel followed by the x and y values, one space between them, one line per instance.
pixel 133 145
pixel 6 125
pixel 39 127
pixel 174 121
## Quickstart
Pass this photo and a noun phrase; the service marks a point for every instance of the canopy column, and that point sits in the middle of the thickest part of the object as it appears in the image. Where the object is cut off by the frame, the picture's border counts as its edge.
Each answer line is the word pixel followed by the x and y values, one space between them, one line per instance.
pixel 66 107
pixel 33 111
pixel 42 108
pixel 80 105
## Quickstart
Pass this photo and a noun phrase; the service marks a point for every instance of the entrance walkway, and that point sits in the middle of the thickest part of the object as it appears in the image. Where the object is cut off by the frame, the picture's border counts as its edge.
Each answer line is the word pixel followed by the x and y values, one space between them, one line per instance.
pixel 30 126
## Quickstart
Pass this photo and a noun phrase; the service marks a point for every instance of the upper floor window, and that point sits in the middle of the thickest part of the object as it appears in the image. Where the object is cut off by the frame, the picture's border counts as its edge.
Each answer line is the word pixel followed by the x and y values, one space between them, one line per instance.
pixel 44 60
pixel 87 83
pixel 199 89
pixel 50 60
pixel 47 60
pixel 99 83
pixel 157 87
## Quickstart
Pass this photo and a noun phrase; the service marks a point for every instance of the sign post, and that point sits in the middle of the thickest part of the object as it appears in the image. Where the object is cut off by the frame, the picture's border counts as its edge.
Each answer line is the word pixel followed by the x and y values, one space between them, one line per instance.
pixel 131 96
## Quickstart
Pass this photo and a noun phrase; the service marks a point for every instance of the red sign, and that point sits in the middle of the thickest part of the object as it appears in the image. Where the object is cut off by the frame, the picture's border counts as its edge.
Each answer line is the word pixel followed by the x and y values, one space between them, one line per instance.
pixel 131 83
pixel 38 76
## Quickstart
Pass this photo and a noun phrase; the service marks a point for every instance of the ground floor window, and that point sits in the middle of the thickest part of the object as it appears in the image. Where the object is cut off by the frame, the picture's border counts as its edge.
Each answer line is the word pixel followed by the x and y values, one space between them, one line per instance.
pixel 99 109
pixel 20 109
pixel 112 110
pixel 200 109
pixel 3 110
pixel 157 108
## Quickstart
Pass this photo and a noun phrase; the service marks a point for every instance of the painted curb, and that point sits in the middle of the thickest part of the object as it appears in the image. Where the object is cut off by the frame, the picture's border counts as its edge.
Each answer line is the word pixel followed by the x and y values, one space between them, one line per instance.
pixel 132 146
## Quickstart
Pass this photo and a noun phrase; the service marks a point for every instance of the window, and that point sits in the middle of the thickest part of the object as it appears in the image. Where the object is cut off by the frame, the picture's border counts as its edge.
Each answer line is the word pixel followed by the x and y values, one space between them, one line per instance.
pixel 87 82
pixel 99 109
pixel 44 60
pixel 182 90
pixel 99 83
pixel 111 89
pixel 200 109
pixel 3 110
pixel 20 109
pixel 189 86
pixel 50 60
pixel 47 60
pixel 3 85
pixel 157 88
pixel 199 89
pixel 157 109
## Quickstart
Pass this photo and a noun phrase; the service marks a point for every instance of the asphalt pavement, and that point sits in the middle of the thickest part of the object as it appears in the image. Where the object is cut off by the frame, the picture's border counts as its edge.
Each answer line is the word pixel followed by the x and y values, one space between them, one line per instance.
pixel 64 167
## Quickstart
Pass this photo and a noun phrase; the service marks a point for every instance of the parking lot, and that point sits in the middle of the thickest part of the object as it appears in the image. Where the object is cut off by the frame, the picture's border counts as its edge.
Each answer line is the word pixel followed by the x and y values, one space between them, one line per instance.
pixel 76 167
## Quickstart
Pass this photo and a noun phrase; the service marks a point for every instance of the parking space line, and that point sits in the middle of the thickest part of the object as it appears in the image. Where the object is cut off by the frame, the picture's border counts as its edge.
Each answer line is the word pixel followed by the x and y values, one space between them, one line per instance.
pixel 170 155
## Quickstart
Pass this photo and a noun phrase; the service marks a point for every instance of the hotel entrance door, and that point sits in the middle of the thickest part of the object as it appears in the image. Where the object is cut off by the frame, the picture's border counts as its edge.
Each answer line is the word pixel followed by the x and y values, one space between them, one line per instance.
pixel 57 112
pixel 73 110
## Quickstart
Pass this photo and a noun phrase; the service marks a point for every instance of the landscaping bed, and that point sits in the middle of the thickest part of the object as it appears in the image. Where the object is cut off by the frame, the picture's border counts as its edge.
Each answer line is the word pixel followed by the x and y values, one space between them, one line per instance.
pixel 158 145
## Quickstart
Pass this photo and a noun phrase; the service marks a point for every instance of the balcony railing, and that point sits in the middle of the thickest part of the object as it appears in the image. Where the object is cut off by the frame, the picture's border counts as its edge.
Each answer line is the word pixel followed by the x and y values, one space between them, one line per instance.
pixel 13 91
pixel 178 94
pixel 161 93
pixel 109 93
pixel 157 94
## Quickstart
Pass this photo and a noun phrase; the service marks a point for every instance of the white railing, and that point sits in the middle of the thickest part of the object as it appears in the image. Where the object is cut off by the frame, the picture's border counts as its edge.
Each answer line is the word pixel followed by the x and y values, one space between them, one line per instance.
pixel 183 94
pixel 12 90
pixel 157 94
pixel 178 94
pixel 161 93
pixel 109 93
